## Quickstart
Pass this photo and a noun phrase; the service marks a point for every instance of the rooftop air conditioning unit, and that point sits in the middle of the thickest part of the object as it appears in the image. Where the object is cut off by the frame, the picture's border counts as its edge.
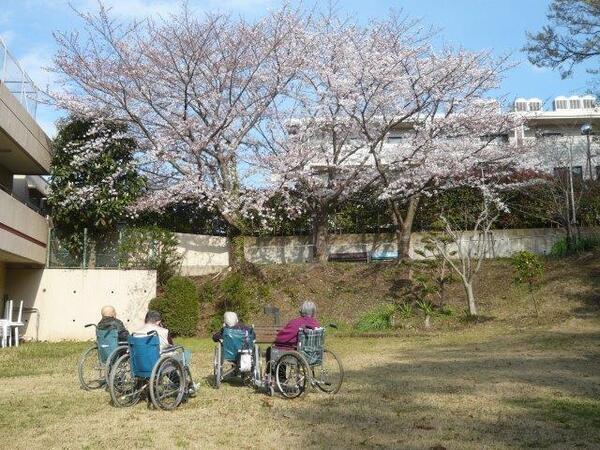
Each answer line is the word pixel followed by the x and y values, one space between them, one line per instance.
pixel 534 104
pixel 588 101
pixel 520 105
pixel 575 102
pixel 561 103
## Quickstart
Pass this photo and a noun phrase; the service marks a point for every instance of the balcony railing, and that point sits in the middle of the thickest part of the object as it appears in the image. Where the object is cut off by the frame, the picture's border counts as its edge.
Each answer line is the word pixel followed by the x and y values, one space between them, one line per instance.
pixel 17 81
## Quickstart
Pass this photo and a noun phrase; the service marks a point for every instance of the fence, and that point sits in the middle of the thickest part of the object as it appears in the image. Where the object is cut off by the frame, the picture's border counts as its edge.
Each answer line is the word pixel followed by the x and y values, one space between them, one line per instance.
pixel 17 81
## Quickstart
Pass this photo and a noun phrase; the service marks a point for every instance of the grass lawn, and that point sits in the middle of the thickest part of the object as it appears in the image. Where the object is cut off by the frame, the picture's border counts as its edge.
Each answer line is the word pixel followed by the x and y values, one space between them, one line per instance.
pixel 486 386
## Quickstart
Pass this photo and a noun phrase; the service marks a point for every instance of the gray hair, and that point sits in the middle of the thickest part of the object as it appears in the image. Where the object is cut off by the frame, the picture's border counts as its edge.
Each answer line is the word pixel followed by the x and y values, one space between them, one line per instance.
pixel 308 308
pixel 230 319
pixel 153 317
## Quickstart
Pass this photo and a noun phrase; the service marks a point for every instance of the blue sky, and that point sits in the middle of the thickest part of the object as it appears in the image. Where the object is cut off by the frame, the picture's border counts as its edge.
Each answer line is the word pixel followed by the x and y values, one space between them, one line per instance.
pixel 495 25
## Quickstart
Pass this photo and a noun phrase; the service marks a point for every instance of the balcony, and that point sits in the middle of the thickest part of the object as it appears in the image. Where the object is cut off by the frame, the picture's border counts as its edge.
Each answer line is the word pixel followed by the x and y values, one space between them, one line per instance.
pixel 23 232
pixel 24 147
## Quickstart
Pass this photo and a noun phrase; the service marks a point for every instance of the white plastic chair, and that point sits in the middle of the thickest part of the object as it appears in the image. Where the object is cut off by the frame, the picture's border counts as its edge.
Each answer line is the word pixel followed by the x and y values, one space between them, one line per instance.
pixel 5 330
pixel 14 326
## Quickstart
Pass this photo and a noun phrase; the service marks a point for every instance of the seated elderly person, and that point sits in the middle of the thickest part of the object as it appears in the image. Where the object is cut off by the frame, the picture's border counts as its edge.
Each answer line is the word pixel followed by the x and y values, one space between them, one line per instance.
pixel 230 320
pixel 109 321
pixel 287 337
pixel 153 322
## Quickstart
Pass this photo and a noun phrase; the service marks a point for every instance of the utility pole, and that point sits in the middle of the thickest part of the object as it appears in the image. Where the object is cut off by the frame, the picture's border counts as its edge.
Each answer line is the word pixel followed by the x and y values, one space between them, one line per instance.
pixel 586 129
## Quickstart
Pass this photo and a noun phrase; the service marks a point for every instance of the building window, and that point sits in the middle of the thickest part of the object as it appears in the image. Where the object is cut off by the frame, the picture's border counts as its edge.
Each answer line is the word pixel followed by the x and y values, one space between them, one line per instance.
pixel 575 103
pixel 535 106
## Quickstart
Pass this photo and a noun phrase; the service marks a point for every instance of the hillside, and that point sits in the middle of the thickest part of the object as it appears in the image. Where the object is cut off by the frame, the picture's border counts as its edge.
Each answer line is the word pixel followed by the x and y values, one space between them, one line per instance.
pixel 345 291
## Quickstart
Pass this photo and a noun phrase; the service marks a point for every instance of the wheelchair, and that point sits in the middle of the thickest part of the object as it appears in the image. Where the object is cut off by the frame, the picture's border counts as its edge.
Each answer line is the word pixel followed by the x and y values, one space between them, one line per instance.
pixel 147 371
pixel 95 363
pixel 236 355
pixel 310 364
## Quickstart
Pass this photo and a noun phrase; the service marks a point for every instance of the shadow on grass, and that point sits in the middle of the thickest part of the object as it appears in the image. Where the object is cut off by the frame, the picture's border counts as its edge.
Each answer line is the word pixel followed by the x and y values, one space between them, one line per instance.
pixel 505 393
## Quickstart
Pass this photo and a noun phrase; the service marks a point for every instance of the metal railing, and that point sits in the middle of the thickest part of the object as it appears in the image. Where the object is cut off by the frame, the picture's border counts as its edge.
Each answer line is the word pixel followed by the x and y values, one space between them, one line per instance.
pixel 17 81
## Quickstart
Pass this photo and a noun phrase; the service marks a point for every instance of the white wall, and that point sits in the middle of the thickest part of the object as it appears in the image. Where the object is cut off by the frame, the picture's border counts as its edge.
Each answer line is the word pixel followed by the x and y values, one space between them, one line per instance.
pixel 202 254
pixel 67 299
pixel 2 283
pixel 298 249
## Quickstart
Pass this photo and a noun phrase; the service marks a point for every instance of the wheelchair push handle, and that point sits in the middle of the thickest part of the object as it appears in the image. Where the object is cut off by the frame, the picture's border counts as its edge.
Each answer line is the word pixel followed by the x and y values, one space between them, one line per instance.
pixel 149 333
pixel 90 325
pixel 332 325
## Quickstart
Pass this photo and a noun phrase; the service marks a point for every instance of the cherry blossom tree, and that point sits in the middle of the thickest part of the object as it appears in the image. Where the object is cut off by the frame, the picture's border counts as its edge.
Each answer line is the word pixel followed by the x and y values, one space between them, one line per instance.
pixel 191 89
pixel 378 105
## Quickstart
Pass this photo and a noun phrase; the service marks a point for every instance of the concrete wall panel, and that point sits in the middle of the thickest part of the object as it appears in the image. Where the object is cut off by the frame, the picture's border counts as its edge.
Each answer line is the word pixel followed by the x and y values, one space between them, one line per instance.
pixel 202 254
pixel 67 299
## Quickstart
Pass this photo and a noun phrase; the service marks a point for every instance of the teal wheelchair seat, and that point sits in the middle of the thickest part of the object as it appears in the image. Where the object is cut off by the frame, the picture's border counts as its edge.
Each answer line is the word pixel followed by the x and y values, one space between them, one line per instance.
pixel 107 341
pixel 144 352
pixel 235 340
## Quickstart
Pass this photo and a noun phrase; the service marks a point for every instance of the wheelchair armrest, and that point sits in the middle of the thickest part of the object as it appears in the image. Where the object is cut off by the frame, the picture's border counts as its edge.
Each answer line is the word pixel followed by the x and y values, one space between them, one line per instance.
pixel 171 348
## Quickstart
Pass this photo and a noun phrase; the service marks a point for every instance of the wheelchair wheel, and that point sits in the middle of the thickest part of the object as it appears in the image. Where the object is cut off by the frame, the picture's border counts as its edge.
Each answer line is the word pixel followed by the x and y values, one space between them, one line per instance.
pixel 291 374
pixel 328 376
pixel 218 366
pixel 123 386
pixel 168 383
pixel 112 359
pixel 91 370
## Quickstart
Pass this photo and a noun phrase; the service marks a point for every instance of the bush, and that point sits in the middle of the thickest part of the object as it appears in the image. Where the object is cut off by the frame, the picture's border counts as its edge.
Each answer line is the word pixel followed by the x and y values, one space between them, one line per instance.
pixel 584 244
pixel 178 306
pixel 379 318
pixel 529 270
pixel 233 294
pixel 152 248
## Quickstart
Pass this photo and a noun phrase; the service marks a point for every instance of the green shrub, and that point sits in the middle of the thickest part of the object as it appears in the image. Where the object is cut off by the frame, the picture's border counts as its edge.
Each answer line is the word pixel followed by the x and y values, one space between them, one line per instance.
pixel 152 248
pixel 379 318
pixel 584 244
pixel 426 307
pixel 529 270
pixel 406 310
pixel 178 306
pixel 238 296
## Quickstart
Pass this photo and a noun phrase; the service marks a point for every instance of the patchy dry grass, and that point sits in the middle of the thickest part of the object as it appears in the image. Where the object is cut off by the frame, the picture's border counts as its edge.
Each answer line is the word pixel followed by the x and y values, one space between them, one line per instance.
pixel 487 386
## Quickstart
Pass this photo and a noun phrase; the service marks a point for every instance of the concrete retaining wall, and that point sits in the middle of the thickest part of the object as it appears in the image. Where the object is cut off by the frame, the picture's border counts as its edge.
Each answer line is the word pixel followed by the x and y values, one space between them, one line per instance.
pixel 298 249
pixel 67 299
pixel 202 254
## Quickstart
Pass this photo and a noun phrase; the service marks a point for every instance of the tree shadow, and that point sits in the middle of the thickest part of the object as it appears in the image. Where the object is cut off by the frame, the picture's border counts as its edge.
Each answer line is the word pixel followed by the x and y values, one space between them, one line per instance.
pixel 486 395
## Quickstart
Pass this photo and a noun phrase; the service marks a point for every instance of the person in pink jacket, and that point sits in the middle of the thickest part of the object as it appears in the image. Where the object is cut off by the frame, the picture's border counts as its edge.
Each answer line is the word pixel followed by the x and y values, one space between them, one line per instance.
pixel 288 335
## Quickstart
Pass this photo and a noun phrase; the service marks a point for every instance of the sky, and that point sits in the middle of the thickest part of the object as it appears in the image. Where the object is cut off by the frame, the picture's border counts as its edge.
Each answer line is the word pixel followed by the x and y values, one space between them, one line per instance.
pixel 498 26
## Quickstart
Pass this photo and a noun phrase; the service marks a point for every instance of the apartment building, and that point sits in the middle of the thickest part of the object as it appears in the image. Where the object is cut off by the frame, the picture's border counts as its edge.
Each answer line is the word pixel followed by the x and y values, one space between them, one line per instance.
pixel 567 133
pixel 24 157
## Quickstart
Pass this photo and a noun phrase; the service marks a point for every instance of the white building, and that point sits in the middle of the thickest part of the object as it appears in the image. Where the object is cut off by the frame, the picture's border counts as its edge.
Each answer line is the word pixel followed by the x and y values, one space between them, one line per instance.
pixel 24 156
pixel 567 132
pixel 57 302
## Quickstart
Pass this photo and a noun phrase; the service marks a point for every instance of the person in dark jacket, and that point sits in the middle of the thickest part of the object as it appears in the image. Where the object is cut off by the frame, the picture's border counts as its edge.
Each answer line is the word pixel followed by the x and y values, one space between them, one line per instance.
pixel 230 320
pixel 109 321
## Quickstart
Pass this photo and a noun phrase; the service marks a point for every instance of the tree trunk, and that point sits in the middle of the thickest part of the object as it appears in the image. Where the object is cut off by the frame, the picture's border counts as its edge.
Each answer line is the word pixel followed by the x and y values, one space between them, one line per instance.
pixel 470 298
pixel 404 225
pixel 320 236
pixel 237 257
